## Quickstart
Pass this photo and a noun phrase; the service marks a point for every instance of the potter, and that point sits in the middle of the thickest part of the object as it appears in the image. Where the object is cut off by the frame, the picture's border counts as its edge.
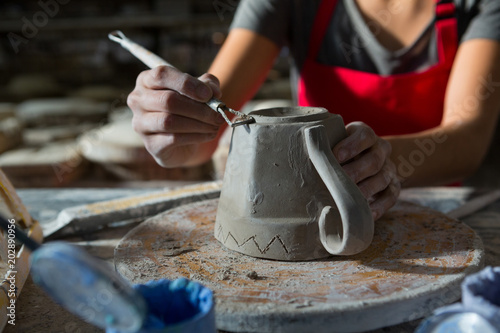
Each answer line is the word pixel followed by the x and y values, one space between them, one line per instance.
pixel 284 195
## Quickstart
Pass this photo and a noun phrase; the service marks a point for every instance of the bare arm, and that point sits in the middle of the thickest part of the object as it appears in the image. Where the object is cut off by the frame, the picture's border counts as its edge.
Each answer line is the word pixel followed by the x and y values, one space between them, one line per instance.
pixel 453 150
pixel 242 65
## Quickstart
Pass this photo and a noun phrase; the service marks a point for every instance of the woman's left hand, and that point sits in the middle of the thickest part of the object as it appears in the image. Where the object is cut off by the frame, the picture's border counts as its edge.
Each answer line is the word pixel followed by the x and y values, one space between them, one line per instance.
pixel 365 158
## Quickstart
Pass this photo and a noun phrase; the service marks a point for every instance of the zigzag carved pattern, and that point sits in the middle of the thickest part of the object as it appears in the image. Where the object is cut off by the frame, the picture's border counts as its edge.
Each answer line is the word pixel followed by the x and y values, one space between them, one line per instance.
pixel 252 238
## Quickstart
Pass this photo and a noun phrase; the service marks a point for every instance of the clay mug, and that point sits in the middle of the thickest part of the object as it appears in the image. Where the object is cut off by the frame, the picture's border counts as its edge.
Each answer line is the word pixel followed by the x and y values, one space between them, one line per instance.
pixel 284 195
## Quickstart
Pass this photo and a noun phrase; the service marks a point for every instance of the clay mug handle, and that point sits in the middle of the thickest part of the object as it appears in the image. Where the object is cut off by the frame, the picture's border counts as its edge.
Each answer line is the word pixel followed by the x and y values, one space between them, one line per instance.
pixel 353 232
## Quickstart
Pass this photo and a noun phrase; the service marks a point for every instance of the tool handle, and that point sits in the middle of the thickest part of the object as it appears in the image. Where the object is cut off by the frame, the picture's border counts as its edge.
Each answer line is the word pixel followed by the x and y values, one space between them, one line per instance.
pixel 19 234
pixel 150 59
pixel 153 61
pixel 147 57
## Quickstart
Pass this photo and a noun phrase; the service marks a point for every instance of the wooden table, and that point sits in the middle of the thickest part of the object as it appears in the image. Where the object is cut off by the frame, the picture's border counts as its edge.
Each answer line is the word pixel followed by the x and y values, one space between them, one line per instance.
pixel 37 313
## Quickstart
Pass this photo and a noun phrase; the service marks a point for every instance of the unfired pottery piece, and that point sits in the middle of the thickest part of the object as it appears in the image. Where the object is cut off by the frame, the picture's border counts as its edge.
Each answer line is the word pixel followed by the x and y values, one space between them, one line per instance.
pixel 283 185
pixel 61 111
pixel 11 133
pixel 45 135
pixel 114 143
pixel 120 151
pixel 414 265
pixel 120 113
pixel 54 164
pixel 11 128
pixel 102 93
pixel 219 158
pixel 7 110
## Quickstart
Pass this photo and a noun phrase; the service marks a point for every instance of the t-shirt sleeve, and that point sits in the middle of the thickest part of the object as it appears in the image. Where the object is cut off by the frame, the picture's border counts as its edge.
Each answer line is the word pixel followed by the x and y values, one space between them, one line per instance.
pixel 486 24
pixel 269 18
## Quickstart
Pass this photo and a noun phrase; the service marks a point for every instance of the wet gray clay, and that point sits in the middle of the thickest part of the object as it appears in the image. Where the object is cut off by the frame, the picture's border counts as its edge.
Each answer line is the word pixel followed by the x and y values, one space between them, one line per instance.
pixel 284 195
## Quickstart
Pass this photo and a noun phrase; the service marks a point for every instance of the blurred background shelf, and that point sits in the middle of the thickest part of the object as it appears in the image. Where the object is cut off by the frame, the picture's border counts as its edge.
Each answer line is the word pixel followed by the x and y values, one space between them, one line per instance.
pixel 114 22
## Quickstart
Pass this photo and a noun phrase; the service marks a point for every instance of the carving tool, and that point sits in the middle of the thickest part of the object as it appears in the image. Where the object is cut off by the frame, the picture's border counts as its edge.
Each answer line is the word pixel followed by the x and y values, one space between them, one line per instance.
pixel 152 61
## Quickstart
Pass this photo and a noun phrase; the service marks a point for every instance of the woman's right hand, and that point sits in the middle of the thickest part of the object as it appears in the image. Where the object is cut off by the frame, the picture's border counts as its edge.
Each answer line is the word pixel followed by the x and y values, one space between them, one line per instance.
pixel 171 115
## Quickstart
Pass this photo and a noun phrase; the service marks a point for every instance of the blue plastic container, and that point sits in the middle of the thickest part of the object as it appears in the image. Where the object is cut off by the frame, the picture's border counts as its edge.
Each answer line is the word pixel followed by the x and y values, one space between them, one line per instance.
pixel 178 306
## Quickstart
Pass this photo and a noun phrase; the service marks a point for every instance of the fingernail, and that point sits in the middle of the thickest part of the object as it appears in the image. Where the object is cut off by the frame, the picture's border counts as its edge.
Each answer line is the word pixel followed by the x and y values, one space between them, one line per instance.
pixel 203 92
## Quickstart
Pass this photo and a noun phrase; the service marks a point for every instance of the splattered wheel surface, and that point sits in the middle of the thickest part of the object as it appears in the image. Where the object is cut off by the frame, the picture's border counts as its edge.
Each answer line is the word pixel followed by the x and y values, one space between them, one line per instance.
pixel 415 264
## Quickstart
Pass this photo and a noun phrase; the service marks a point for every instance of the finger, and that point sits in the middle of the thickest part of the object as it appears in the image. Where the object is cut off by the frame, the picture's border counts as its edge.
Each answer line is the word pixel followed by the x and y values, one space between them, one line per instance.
pixel 385 200
pixel 375 184
pixel 175 103
pixel 369 163
pixel 213 83
pixel 163 122
pixel 359 138
pixel 160 144
pixel 165 77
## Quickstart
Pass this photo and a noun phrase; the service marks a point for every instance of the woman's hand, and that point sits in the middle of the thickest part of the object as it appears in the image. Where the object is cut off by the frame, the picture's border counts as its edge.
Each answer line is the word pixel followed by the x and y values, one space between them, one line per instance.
pixel 365 158
pixel 171 115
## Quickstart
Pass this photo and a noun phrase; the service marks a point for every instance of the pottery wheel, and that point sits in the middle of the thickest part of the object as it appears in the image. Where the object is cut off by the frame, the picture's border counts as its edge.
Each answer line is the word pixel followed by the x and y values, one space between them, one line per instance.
pixel 415 264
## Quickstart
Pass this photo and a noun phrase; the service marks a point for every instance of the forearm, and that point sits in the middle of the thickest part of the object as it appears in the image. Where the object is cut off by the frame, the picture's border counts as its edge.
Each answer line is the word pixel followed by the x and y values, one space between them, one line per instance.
pixel 442 155
pixel 242 65
pixel 453 150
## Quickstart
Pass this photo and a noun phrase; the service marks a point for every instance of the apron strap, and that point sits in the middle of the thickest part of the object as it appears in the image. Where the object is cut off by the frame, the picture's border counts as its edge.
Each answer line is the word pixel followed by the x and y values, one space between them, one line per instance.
pixel 447 30
pixel 320 26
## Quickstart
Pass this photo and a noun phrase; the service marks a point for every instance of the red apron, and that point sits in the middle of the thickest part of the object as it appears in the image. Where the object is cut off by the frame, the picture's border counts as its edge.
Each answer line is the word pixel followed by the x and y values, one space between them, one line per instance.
pixel 391 105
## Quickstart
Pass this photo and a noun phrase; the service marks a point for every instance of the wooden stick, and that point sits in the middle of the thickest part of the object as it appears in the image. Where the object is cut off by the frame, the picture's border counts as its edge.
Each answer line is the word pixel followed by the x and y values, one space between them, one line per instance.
pixel 474 205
